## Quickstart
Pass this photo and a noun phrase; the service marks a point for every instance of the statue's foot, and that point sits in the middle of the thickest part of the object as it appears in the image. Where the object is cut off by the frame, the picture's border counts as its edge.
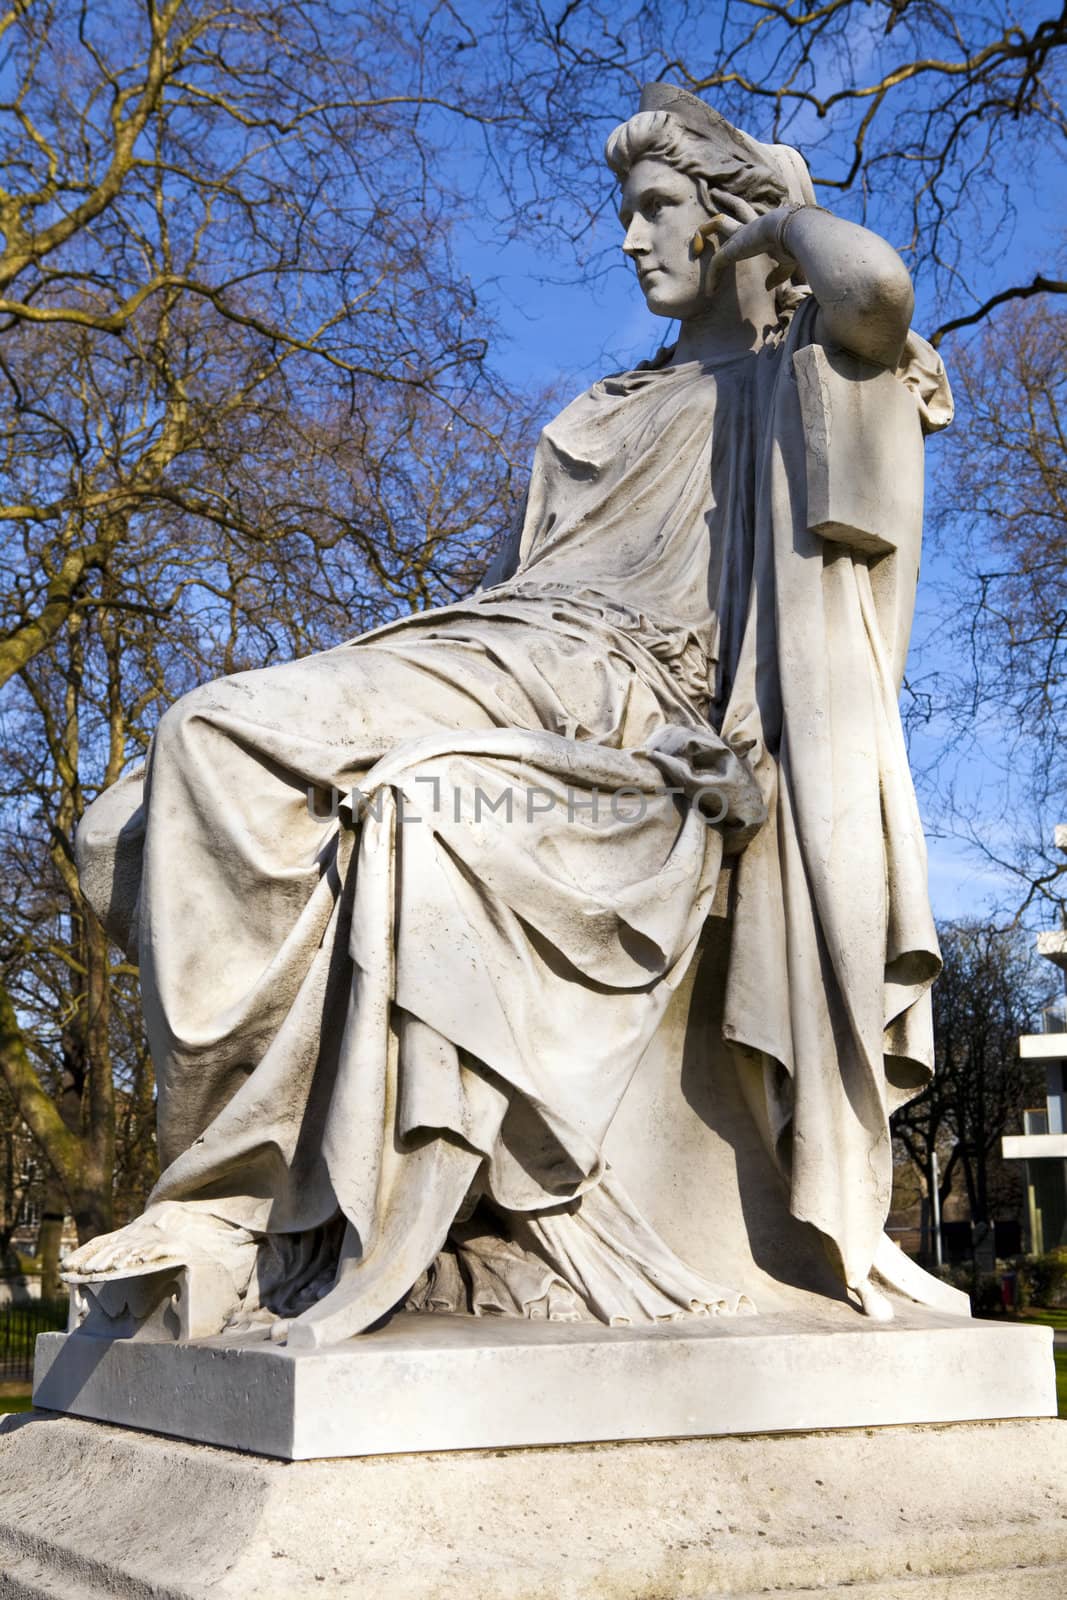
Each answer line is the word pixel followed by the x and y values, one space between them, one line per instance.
pixel 873 1303
pixel 168 1234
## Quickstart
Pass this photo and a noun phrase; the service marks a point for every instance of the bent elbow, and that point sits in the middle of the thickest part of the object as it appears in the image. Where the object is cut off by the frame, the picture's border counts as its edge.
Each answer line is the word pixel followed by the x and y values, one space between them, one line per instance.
pixel 891 302
pixel 873 320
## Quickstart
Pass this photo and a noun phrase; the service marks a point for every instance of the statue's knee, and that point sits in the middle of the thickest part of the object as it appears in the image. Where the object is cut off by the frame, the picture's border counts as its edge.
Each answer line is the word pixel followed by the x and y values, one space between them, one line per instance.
pixel 179 724
pixel 108 848
pixel 113 819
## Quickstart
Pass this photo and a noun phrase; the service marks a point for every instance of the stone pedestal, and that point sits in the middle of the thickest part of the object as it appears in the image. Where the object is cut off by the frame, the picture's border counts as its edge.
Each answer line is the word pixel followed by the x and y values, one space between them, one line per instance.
pixel 960 1512
pixel 457 1383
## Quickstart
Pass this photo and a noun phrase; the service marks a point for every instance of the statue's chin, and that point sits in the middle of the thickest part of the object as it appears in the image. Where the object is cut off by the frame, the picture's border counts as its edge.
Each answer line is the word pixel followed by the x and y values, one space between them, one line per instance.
pixel 662 303
pixel 663 306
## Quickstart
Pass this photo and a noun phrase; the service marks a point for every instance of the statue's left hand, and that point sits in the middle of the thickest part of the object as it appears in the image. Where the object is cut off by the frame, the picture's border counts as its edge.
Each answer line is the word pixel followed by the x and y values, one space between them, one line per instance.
pixel 740 232
pixel 860 284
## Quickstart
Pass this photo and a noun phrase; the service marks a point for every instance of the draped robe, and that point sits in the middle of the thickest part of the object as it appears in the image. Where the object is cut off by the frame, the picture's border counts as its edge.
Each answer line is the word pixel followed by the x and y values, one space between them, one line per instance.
pixel 374 1010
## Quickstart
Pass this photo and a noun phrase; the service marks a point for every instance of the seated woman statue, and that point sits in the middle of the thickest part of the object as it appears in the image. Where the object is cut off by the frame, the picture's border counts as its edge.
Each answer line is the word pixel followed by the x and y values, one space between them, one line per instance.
pixel 409 911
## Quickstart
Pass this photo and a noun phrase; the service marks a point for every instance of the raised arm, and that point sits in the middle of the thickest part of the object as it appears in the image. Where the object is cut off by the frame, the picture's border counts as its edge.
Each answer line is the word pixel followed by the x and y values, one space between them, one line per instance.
pixel 862 286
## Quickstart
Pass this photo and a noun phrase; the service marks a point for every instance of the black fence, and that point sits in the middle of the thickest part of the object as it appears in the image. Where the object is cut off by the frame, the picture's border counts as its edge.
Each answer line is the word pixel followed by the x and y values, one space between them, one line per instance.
pixel 19 1327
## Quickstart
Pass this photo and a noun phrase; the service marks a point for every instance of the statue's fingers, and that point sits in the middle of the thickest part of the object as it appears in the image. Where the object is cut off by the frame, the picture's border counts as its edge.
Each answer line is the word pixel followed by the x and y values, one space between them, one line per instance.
pixel 781 274
pixel 712 228
pixel 729 251
pixel 92 1266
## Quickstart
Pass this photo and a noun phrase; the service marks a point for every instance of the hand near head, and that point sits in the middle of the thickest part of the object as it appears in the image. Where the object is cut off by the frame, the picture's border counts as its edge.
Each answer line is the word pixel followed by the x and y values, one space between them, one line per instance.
pixel 740 232
pixel 861 285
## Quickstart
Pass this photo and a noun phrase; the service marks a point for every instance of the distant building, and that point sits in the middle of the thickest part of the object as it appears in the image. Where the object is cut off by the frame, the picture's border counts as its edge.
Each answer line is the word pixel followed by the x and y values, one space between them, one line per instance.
pixel 1043 1143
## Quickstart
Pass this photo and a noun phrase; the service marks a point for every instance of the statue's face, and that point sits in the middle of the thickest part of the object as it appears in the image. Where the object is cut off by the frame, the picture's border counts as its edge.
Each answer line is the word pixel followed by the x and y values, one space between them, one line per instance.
pixel 661 211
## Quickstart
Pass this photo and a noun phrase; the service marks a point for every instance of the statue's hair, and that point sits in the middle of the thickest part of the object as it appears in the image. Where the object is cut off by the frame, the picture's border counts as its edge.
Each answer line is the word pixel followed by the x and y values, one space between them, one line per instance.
pixel 657 136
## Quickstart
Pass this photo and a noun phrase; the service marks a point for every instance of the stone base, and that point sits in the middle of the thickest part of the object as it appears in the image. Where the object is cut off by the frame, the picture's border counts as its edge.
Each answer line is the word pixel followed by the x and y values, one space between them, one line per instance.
pixel 460 1383
pixel 964 1512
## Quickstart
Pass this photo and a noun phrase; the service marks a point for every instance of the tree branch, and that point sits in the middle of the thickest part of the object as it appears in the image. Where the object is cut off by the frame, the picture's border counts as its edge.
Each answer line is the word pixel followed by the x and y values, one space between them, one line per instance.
pixel 62 1148
pixel 1024 291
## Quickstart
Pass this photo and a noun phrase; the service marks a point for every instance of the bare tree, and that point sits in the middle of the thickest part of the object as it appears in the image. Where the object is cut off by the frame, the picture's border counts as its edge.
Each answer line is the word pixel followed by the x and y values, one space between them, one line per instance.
pixel 21 1176
pixel 989 992
pixel 246 405
pixel 1000 689
pixel 190 184
pixel 245 412
pixel 924 118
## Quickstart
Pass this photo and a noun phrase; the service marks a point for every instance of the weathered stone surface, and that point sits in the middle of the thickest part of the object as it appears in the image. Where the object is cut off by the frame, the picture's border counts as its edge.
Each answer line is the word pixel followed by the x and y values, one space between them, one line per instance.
pixel 390 1057
pixel 455 1383
pixel 969 1512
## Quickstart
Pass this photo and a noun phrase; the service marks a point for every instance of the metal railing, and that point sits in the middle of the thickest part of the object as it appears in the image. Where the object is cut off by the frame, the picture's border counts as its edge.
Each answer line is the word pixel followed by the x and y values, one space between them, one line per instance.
pixel 19 1327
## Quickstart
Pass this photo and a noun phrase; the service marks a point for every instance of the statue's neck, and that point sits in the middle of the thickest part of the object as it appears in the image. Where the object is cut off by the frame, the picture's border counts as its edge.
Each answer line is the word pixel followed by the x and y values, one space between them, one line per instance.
pixel 735 319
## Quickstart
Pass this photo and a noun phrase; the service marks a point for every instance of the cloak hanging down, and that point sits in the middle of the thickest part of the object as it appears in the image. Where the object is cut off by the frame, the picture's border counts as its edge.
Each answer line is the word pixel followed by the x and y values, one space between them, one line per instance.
pixel 832 944
pixel 360 1017
pixel 833 948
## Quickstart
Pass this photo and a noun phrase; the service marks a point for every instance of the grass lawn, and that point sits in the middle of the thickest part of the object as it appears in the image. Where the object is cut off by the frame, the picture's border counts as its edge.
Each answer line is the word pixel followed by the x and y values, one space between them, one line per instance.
pixel 1051 1319
pixel 14 1396
pixel 19 1327
pixel 1061 1382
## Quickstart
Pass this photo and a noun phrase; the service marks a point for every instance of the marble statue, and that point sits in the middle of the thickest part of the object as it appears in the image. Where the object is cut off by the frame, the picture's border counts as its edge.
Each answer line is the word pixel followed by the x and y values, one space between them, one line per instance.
pixel 409 912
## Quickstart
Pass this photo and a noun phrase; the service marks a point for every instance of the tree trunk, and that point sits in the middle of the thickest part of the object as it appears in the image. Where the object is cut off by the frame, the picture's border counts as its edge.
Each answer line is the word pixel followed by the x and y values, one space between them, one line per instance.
pixel 93 1212
pixel 94 1209
pixel 49 1239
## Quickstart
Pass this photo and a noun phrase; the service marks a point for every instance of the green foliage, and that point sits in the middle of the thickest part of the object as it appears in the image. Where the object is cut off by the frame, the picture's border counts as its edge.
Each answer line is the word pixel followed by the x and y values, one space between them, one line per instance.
pixel 986 1289
pixel 1046 1279
pixel 1061 1381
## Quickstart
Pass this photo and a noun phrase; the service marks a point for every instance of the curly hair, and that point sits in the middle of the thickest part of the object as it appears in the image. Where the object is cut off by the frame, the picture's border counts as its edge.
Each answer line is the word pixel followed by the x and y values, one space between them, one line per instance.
pixel 657 136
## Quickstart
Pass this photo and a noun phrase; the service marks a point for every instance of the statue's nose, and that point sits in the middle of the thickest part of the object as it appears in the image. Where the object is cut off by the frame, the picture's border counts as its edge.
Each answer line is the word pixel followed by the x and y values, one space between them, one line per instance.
pixel 636 240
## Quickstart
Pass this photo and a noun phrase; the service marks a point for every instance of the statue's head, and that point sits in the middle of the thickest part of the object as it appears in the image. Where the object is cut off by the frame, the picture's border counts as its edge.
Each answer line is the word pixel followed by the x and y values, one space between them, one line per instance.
pixel 669 159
